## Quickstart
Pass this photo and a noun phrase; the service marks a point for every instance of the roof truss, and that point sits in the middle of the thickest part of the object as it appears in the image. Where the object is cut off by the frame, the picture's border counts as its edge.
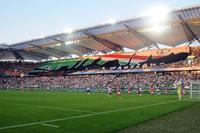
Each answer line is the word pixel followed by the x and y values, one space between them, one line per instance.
pixel 35 54
pixel 190 35
pixel 145 40
pixel 77 47
pixel 55 52
pixel 111 45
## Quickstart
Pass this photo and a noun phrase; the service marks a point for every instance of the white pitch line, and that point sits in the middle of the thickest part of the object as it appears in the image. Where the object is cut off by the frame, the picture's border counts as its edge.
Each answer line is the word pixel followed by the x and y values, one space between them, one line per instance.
pixel 67 109
pixel 49 125
pixel 49 107
pixel 87 115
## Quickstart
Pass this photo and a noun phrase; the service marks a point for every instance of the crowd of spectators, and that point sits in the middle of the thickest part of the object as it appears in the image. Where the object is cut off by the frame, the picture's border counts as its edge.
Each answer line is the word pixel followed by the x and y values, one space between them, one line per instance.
pixel 195 51
pixel 16 68
pixel 128 81
pixel 19 70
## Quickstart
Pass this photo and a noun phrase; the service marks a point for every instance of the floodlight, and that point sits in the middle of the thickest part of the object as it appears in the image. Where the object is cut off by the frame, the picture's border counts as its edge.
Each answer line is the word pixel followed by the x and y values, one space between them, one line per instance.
pixel 112 21
pixel 71 42
pixel 41 36
pixel 68 42
pixel 76 41
pixel 58 44
pixel 68 30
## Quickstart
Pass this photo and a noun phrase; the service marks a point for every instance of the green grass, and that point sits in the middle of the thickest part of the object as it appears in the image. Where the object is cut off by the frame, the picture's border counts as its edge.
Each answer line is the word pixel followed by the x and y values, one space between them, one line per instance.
pixel 181 121
pixel 97 113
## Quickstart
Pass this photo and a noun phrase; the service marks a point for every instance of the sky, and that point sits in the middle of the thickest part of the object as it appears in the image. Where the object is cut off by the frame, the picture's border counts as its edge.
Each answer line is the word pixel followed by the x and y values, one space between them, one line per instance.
pixel 22 20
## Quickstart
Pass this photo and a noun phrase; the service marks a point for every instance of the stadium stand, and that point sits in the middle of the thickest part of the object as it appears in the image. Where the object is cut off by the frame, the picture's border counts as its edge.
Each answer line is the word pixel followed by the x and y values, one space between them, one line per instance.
pixel 162 79
pixel 111 61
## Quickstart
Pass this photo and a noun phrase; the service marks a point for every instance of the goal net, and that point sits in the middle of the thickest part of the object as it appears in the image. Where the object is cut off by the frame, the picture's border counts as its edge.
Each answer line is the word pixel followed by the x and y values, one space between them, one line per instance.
pixel 194 90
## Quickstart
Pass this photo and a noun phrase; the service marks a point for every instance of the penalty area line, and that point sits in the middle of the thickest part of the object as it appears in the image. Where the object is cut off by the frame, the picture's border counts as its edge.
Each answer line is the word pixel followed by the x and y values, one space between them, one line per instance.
pixel 87 115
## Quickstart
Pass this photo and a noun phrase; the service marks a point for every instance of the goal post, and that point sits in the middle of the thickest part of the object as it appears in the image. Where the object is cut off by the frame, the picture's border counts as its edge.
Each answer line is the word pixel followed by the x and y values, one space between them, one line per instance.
pixel 194 90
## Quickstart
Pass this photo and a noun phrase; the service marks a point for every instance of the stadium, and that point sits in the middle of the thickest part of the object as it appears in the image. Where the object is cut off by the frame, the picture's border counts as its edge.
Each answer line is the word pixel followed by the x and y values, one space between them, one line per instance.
pixel 138 75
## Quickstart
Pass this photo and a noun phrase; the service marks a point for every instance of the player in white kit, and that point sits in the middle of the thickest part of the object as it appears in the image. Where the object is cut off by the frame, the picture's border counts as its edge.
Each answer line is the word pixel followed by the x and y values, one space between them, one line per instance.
pixel 109 91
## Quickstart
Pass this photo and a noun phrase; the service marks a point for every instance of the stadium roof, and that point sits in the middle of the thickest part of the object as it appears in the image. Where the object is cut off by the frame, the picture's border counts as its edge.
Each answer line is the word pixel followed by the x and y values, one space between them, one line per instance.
pixel 173 28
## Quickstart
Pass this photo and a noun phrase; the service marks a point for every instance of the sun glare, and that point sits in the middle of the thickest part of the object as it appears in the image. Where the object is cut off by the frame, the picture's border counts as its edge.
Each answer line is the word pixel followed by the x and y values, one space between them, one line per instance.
pixel 158 17
pixel 158 14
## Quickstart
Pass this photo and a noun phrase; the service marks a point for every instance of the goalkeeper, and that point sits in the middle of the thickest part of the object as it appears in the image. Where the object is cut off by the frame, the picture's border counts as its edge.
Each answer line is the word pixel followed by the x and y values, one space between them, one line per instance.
pixel 179 87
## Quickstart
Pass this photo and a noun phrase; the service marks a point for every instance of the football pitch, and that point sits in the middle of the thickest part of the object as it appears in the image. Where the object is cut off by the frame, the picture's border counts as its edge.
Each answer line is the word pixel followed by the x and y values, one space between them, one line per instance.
pixel 73 112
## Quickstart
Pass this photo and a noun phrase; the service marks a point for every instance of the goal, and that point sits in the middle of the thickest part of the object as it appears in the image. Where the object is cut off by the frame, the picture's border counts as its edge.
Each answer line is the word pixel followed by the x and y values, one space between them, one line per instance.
pixel 194 90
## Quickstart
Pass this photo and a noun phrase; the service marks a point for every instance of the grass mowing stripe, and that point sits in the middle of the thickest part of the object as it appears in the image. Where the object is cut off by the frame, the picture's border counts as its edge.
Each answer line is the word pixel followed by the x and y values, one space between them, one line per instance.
pixel 87 115
pixel 49 107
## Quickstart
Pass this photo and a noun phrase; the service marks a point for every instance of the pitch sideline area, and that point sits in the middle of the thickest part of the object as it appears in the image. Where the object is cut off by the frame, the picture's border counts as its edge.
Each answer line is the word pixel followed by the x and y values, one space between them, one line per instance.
pixel 57 111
